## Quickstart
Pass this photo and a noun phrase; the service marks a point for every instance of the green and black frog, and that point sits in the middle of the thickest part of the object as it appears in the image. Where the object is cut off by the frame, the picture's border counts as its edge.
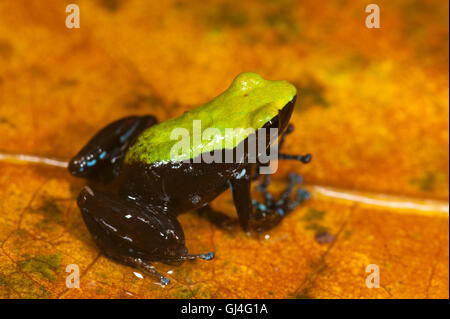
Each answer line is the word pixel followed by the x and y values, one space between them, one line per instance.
pixel 138 185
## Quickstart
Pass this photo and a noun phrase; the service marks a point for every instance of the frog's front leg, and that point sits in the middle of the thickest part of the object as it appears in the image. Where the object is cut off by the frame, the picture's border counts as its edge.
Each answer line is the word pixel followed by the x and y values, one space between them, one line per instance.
pixel 305 159
pixel 101 157
pixel 134 234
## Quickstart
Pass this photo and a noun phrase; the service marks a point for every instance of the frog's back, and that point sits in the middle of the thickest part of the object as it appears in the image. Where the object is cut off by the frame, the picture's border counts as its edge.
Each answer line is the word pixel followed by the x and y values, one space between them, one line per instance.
pixel 246 105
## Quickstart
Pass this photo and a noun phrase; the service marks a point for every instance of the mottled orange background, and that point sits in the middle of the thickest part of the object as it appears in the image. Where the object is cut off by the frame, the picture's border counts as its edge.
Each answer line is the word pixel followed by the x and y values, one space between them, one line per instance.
pixel 373 110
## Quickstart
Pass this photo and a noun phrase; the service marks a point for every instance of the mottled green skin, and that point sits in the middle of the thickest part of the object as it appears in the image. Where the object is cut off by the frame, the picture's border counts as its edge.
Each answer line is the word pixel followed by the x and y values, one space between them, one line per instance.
pixel 248 103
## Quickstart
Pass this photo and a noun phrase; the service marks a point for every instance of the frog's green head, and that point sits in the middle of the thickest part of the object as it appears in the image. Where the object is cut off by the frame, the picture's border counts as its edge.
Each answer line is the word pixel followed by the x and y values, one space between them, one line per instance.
pixel 254 101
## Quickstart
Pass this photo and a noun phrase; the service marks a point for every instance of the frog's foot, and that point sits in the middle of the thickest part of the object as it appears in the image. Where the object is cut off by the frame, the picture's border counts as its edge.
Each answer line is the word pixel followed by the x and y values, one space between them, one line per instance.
pixel 140 264
pixel 101 157
pixel 221 220
pixel 269 214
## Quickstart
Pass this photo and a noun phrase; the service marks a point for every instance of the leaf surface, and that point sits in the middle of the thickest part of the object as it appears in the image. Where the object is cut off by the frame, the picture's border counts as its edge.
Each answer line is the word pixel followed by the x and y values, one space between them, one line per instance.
pixel 373 111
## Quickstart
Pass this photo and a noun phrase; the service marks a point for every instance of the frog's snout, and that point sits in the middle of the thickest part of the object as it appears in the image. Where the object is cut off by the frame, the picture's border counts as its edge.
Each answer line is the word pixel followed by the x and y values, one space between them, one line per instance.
pixel 75 167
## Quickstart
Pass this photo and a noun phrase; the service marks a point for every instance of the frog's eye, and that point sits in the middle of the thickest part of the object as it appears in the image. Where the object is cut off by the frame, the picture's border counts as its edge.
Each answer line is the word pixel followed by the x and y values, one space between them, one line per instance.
pixel 247 81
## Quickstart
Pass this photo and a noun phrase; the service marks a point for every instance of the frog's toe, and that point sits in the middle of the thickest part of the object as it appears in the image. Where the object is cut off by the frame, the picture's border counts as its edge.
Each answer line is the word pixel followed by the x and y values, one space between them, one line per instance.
pixel 209 256
pixel 165 281
pixel 206 256
pixel 305 159
pixel 139 263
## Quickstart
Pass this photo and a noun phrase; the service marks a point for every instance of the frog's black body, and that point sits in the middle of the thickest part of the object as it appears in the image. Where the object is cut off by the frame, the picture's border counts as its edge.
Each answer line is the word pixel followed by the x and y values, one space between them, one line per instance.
pixel 131 209
pixel 183 186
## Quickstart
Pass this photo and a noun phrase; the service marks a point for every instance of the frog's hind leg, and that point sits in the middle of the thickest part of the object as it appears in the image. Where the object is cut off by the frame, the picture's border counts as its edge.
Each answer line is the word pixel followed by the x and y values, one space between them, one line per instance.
pixel 101 157
pixel 101 213
pixel 133 234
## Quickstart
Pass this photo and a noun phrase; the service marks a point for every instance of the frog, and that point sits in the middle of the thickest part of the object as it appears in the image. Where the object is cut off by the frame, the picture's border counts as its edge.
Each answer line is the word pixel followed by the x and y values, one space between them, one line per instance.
pixel 137 186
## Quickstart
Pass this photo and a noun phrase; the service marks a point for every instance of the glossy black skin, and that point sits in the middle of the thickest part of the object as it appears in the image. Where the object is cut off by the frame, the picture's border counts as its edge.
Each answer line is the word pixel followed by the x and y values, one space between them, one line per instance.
pixel 131 210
